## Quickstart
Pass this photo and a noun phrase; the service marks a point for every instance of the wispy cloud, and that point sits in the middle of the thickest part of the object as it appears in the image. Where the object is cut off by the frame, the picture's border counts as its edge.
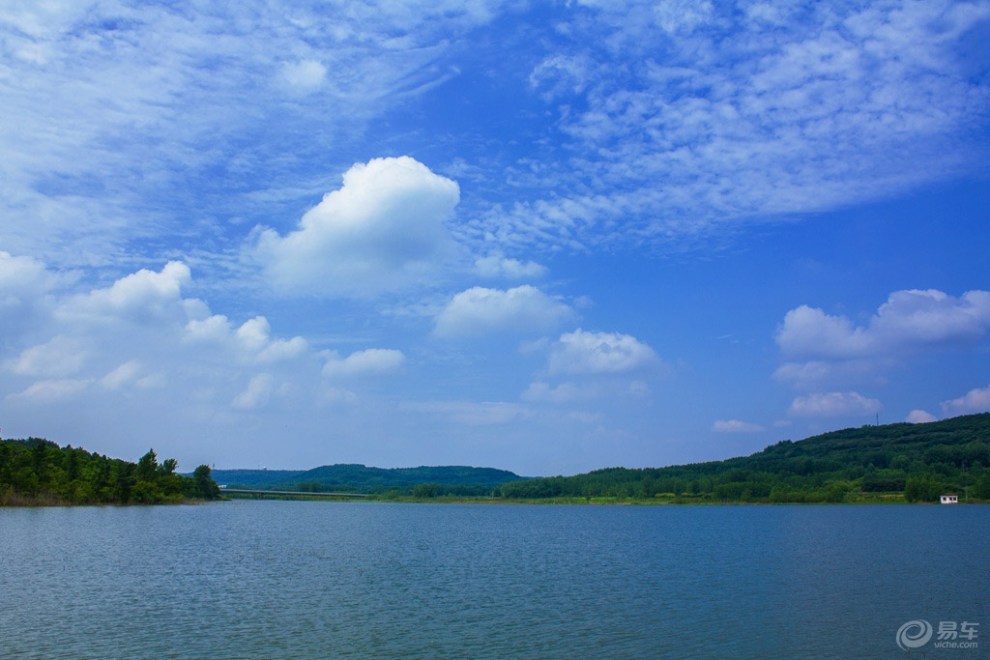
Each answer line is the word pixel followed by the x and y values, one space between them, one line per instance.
pixel 834 404
pixel 732 113
pixel 132 117
pixel 736 426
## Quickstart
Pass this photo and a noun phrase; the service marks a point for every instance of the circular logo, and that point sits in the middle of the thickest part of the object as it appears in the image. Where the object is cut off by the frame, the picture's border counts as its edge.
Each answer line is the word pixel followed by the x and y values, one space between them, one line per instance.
pixel 914 634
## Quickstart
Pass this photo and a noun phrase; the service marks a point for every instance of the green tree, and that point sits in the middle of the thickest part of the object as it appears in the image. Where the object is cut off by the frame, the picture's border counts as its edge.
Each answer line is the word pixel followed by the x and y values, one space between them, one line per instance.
pixel 147 467
pixel 425 490
pixel 981 490
pixel 922 488
pixel 206 487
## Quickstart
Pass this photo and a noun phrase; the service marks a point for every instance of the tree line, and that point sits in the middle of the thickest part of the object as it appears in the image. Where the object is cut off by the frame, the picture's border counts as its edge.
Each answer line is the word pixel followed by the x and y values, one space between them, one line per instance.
pixel 895 462
pixel 37 471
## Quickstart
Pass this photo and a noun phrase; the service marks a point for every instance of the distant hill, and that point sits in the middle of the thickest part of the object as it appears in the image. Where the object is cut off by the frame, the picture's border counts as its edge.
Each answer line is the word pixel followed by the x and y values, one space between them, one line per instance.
pixel 895 462
pixel 252 479
pixel 453 480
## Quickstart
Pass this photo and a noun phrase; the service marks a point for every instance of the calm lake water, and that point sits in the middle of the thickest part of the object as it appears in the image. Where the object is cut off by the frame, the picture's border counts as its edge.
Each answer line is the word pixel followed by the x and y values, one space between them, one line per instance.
pixel 269 579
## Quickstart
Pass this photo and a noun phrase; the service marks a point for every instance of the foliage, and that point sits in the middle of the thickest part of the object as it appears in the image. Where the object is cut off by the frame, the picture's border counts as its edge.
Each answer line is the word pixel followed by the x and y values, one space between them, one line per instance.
pixel 37 471
pixel 916 462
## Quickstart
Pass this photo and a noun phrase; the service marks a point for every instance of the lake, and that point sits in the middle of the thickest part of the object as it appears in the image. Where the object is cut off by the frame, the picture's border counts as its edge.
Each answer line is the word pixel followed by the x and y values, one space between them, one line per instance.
pixel 283 579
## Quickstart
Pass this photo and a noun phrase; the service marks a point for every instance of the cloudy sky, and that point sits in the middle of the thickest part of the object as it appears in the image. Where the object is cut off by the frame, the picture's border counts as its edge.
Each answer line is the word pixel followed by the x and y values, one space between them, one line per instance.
pixel 542 236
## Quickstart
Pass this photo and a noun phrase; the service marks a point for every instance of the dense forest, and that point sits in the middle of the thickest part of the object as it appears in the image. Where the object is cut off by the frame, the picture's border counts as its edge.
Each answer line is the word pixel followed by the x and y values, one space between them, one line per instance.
pixel 39 472
pixel 895 462
pixel 353 478
pixel 891 463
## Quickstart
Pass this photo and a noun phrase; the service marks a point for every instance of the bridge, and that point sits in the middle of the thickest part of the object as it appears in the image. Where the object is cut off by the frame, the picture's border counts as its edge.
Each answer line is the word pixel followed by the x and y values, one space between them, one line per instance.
pixel 288 493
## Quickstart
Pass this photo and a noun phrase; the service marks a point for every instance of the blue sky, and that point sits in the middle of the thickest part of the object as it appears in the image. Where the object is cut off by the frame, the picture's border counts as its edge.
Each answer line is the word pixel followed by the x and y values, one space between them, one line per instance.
pixel 542 236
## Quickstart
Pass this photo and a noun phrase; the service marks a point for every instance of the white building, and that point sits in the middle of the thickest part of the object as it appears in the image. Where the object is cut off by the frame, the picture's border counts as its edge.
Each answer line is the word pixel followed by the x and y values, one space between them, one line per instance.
pixel 950 499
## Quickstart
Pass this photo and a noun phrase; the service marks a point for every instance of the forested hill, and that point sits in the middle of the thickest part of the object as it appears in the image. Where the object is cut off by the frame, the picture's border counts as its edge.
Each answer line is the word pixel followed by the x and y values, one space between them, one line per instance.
pixel 39 472
pixel 442 480
pixel 895 462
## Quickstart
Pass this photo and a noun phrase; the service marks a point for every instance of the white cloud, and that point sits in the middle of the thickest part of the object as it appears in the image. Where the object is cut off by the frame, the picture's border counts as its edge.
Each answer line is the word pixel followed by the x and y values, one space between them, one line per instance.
pixel 214 328
pixel 824 346
pixel 745 113
pixel 480 311
pixel 60 356
pixel 808 331
pixel 22 279
pixel 383 230
pixel 920 417
pixel 976 400
pixel 255 341
pixel 250 342
pixel 134 92
pixel 372 361
pixel 816 373
pixel 540 391
pixel 256 394
pixel 582 352
pixel 908 320
pixel 560 75
pixel 140 333
pixel 304 75
pixel 497 265
pixel 914 317
pixel 736 426
pixel 682 15
pixel 142 297
pixel 51 391
pixel 122 375
pixel 834 404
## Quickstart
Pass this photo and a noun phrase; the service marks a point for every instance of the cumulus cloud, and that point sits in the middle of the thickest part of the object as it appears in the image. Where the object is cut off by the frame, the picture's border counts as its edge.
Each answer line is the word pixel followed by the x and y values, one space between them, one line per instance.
pixel 808 331
pixel 582 352
pixel 736 426
pixel 142 332
pixel 250 342
pixel 499 266
pixel 920 417
pixel 254 338
pixel 823 346
pixel 369 362
pixel 480 311
pixel 382 230
pixel 976 400
pixel 142 297
pixel 22 279
pixel 834 404
pixel 908 320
